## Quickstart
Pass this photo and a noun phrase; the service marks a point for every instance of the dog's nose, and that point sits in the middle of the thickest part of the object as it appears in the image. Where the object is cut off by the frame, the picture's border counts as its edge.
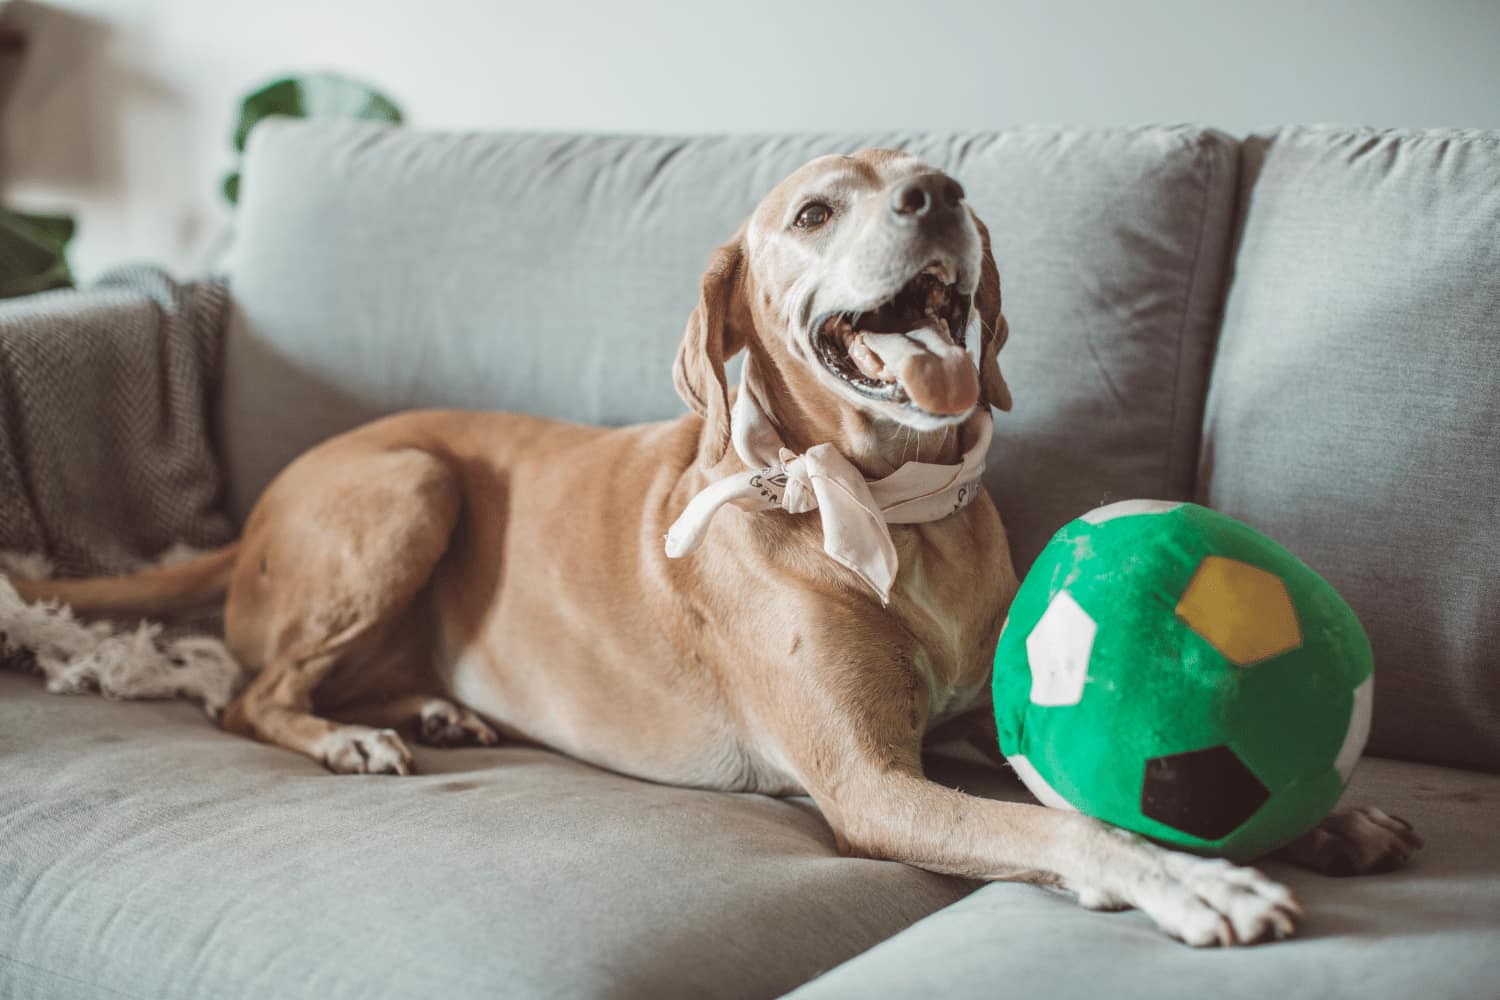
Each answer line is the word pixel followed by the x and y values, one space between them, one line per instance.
pixel 926 195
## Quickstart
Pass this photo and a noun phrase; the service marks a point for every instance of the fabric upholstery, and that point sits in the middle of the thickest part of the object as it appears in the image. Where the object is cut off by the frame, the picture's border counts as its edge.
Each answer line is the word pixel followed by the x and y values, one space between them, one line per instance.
pixel 1427 931
pixel 144 853
pixel 1354 413
pixel 381 269
pixel 149 855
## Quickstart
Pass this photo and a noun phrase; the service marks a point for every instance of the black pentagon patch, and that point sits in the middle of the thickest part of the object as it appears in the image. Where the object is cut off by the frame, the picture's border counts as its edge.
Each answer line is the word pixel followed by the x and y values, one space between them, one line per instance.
pixel 1205 793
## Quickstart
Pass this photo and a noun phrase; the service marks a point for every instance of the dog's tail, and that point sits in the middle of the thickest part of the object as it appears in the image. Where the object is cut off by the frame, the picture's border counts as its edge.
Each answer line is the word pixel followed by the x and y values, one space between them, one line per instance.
pixel 156 590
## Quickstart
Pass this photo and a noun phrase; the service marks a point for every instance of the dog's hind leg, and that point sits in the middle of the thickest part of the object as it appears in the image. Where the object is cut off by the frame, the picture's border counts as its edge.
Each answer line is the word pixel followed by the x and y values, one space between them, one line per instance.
pixel 434 721
pixel 277 708
pixel 332 565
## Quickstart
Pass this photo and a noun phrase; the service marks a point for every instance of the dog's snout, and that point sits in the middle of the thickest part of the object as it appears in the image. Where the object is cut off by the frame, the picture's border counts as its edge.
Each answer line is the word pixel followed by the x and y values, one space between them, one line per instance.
pixel 926 195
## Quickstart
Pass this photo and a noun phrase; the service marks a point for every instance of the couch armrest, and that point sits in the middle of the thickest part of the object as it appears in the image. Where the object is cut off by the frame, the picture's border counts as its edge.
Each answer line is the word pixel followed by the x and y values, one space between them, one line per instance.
pixel 104 438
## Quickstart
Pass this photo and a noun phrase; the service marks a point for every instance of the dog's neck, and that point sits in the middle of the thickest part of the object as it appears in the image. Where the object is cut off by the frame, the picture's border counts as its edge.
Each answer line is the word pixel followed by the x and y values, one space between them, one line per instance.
pixel 855 505
pixel 807 414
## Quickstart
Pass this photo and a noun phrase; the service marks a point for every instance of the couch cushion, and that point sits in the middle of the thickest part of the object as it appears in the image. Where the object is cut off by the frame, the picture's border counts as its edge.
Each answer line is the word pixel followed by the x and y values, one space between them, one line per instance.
pixel 147 854
pixel 1355 406
pixel 379 269
pixel 1427 931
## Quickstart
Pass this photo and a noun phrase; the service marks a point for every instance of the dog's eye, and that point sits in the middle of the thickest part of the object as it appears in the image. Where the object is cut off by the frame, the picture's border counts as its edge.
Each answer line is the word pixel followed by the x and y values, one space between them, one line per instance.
pixel 813 215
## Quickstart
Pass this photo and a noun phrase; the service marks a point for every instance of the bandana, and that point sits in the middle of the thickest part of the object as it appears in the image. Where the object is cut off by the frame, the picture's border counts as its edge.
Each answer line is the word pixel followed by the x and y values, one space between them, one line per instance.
pixel 855 512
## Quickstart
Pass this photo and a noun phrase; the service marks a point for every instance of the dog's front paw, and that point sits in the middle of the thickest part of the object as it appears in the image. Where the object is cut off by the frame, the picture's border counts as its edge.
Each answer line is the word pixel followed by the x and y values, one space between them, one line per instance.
pixel 1365 841
pixel 444 724
pixel 362 750
pixel 1199 901
pixel 1212 902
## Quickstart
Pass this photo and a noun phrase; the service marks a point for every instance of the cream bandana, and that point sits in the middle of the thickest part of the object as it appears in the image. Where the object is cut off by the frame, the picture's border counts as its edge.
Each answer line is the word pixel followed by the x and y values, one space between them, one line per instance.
pixel 854 511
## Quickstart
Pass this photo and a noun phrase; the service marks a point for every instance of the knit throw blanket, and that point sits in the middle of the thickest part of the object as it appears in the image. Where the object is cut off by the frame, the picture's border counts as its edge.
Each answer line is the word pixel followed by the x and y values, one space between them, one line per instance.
pixel 106 464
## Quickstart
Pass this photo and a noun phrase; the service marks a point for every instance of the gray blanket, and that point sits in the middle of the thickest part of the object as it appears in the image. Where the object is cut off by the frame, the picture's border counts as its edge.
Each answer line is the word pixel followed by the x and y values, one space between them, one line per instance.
pixel 105 456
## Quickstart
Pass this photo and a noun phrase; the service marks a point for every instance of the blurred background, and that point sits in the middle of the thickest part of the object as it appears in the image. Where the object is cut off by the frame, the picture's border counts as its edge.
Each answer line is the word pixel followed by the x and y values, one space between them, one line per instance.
pixel 120 114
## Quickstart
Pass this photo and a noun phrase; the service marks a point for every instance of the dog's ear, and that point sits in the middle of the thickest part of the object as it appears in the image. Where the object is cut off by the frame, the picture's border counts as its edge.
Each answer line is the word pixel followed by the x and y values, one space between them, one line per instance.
pixel 709 341
pixel 993 330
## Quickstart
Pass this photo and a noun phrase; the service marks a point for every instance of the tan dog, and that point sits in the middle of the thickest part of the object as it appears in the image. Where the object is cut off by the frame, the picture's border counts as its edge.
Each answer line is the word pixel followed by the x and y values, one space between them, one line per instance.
pixel 515 566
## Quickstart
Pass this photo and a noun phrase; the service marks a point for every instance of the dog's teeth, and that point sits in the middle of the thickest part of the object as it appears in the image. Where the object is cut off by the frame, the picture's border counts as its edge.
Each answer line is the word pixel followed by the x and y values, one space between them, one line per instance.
pixel 866 360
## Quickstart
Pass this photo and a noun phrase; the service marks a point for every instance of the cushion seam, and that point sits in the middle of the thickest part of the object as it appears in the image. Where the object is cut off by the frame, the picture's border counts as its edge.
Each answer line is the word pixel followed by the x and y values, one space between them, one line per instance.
pixel 1190 295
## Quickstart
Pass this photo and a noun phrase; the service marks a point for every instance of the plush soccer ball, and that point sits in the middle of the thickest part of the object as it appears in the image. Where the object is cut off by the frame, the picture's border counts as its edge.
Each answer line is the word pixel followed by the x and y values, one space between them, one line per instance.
pixel 1173 671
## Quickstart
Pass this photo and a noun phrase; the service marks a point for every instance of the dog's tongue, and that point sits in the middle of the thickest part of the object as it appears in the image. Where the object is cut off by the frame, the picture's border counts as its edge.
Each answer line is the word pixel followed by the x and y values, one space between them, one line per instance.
pixel 937 374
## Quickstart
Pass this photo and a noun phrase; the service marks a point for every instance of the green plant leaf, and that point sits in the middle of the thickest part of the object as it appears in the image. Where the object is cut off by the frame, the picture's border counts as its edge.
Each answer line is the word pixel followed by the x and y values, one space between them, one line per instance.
pixel 317 95
pixel 33 252
pixel 232 188
pixel 56 229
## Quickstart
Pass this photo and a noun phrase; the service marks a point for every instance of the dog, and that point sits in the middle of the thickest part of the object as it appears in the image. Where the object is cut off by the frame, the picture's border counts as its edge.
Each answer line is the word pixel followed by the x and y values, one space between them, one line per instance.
pixel 633 598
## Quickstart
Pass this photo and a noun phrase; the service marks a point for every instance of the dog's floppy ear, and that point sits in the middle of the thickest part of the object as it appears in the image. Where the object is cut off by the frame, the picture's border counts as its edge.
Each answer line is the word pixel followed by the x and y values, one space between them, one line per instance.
pixel 993 330
pixel 708 342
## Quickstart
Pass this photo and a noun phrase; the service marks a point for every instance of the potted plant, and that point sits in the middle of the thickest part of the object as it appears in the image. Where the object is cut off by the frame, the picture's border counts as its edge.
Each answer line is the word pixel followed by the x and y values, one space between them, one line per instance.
pixel 33 248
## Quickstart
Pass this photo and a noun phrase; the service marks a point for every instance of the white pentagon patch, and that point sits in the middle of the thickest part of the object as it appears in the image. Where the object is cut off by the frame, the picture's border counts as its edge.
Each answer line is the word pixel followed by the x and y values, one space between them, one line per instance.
pixel 1129 508
pixel 1058 650
pixel 1359 729
pixel 1037 785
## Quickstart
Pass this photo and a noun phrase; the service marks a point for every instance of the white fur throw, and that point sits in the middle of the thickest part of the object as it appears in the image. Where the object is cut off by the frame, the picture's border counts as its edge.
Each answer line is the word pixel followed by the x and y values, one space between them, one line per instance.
pixel 116 661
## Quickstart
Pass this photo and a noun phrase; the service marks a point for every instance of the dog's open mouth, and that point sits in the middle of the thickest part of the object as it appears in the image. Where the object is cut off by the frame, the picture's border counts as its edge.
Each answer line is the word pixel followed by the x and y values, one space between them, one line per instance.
pixel 909 349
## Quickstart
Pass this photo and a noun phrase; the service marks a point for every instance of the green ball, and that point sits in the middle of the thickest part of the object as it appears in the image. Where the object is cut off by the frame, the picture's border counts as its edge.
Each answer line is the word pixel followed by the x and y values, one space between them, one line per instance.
pixel 1175 672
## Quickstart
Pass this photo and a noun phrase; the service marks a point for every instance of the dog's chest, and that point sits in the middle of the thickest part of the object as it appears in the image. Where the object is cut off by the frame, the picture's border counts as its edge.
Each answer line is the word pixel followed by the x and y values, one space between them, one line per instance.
pixel 949 629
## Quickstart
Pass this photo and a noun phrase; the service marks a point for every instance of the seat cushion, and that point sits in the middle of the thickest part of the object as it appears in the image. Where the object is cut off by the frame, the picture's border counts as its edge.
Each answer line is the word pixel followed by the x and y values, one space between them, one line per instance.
pixel 1354 412
pixel 147 854
pixel 1427 931
pixel 382 269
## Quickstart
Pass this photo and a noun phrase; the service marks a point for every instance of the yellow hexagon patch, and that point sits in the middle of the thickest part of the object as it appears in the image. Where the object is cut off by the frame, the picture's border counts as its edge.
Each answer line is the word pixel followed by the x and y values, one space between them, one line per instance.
pixel 1243 611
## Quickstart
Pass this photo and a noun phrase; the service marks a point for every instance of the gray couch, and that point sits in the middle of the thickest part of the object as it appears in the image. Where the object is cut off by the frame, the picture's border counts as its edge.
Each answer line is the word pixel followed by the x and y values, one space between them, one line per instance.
pixel 1301 329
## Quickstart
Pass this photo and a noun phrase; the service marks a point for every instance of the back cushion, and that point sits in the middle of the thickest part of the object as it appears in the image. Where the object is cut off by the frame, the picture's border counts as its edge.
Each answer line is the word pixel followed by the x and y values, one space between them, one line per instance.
pixel 377 270
pixel 1354 412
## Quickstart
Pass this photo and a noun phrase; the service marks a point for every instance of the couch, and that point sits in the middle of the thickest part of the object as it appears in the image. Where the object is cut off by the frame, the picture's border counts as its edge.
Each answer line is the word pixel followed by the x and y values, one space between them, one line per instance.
pixel 1300 328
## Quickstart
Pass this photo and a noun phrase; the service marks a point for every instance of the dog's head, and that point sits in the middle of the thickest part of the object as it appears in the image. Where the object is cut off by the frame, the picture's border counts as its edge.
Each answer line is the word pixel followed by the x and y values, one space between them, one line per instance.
pixel 861 281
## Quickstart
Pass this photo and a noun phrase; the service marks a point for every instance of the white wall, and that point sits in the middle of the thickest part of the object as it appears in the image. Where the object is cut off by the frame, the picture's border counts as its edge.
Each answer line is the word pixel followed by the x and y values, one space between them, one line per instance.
pixel 122 110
